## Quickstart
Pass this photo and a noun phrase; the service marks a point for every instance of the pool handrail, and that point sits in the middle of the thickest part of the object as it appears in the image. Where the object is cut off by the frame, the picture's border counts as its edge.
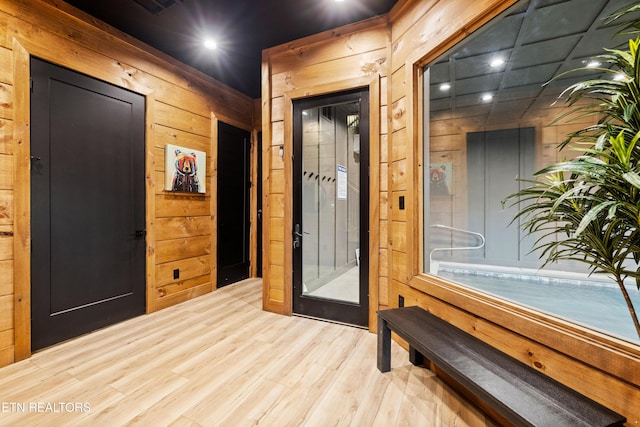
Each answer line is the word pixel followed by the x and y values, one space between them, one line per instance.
pixel 433 265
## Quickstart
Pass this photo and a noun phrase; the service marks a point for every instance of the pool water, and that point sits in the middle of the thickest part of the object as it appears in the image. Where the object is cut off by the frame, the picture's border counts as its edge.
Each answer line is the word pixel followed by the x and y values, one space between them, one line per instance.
pixel 598 304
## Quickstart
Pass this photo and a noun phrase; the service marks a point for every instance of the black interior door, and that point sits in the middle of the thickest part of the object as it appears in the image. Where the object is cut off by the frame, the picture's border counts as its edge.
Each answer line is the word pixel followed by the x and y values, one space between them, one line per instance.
pixel 233 204
pixel 331 207
pixel 259 207
pixel 87 204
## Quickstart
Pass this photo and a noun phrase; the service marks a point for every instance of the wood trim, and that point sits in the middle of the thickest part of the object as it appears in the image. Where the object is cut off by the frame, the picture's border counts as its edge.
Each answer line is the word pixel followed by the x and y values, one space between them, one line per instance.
pixel 288 206
pixel 420 169
pixel 373 85
pixel 253 205
pixel 414 78
pixel 150 196
pixel 215 119
pixel 374 200
pixel 221 117
pixel 469 28
pixel 22 202
pixel 581 343
pixel 327 88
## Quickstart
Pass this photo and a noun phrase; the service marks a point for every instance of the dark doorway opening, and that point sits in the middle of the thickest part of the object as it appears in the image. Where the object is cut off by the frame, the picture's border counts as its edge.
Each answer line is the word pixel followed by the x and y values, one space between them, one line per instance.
pixel 87 204
pixel 234 146
pixel 259 207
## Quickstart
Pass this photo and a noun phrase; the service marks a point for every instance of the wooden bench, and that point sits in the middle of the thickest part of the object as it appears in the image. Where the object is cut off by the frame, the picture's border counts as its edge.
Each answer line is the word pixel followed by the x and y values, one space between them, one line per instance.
pixel 517 393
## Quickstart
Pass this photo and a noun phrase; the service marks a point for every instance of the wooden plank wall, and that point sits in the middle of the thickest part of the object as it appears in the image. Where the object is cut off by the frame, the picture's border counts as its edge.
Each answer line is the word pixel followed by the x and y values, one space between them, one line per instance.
pixel 351 57
pixel 182 107
pixel 418 31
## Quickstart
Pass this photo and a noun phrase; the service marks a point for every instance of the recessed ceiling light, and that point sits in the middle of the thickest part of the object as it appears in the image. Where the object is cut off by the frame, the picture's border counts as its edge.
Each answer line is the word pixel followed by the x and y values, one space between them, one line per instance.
pixel 210 44
pixel 445 86
pixel 593 64
pixel 497 62
pixel 487 97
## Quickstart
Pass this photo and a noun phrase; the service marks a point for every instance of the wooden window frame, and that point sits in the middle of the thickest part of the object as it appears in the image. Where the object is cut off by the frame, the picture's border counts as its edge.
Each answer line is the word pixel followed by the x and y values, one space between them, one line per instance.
pixel 505 325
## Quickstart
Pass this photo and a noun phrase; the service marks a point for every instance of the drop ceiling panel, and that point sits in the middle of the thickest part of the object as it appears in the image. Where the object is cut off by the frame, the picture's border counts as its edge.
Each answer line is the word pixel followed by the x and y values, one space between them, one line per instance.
pixel 592 44
pixel 480 84
pixel 510 107
pixel 519 92
pixel 478 65
pixel 544 52
pixel 440 104
pixel 468 101
pixel 439 73
pixel 499 37
pixel 539 74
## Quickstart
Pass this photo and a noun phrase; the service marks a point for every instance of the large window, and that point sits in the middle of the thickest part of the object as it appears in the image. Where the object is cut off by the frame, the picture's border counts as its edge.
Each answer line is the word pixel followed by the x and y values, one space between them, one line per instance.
pixel 490 103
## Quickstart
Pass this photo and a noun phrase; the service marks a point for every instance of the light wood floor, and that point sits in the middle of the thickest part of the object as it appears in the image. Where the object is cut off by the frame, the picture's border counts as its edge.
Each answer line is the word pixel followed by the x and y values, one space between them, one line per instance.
pixel 219 360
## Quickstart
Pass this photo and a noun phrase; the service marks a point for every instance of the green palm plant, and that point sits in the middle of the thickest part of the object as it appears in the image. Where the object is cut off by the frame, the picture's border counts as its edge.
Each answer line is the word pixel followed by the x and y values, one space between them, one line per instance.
pixel 587 209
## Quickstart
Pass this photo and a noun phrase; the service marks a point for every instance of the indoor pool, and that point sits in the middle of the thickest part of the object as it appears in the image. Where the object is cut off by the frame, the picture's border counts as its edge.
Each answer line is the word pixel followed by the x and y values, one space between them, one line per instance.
pixel 598 304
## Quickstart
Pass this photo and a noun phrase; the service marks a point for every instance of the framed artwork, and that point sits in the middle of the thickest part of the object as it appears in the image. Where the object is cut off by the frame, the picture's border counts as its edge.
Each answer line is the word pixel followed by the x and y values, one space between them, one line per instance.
pixel 440 179
pixel 185 169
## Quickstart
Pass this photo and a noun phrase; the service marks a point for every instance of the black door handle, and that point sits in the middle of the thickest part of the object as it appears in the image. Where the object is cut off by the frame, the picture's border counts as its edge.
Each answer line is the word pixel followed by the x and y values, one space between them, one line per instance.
pixel 139 234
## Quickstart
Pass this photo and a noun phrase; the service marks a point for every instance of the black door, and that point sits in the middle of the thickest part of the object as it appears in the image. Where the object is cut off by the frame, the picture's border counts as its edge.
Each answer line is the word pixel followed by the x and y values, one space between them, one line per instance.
pixel 233 204
pixel 331 207
pixel 259 207
pixel 87 204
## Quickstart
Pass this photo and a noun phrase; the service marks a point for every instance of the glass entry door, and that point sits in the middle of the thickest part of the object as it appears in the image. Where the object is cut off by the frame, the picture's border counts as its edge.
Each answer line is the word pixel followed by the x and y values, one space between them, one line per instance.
pixel 331 208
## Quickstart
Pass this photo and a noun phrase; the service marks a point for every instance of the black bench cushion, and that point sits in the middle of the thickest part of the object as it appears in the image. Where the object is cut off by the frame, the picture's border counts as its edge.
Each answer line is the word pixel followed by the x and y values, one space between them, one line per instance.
pixel 518 392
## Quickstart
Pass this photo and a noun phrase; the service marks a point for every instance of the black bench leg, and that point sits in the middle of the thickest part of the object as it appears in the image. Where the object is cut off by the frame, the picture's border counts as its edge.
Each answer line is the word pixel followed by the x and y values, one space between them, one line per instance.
pixel 415 357
pixel 384 346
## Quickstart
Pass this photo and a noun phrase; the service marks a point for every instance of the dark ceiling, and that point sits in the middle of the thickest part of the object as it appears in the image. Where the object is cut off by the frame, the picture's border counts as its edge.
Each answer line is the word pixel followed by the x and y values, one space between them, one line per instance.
pixel 242 28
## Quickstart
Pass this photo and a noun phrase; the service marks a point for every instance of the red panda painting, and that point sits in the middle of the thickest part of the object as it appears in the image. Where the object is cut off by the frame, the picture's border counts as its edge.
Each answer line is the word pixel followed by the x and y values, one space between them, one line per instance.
pixel 183 169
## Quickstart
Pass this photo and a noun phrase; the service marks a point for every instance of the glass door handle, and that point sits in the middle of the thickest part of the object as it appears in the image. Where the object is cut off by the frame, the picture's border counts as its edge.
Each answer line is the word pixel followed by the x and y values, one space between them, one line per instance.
pixel 296 237
pixel 296 232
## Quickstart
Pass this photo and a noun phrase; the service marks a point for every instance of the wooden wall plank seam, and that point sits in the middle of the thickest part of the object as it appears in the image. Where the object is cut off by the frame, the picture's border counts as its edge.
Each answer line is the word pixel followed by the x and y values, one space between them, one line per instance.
pixel 22 204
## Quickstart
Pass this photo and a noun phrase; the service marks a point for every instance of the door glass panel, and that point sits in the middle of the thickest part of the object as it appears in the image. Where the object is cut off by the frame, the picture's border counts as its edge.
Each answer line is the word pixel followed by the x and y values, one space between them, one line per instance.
pixel 330 226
